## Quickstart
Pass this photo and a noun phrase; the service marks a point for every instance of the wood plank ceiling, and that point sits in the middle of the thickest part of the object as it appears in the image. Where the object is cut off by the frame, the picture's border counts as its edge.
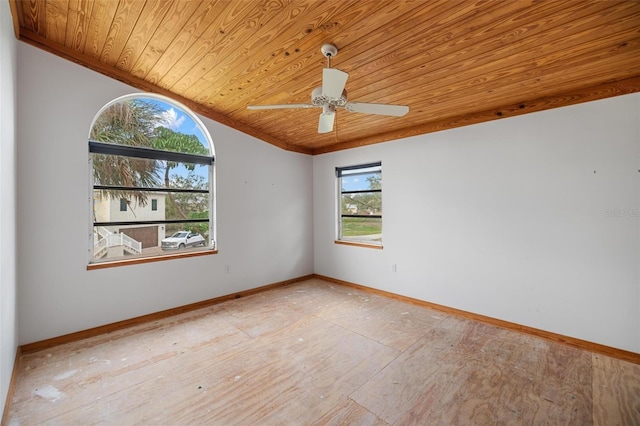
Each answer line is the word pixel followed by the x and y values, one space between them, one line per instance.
pixel 453 62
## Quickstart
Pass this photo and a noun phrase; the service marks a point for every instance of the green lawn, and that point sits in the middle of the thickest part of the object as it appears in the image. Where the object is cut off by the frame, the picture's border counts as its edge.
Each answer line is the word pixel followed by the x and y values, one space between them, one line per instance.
pixel 354 226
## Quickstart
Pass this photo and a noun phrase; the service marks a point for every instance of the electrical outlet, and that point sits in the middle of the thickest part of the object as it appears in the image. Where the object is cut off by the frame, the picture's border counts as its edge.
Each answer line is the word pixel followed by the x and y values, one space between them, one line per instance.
pixel 227 269
pixel 394 268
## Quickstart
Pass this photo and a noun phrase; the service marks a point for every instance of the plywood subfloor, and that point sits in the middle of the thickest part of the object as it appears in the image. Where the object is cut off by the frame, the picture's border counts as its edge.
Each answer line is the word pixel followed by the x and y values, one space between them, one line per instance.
pixel 320 353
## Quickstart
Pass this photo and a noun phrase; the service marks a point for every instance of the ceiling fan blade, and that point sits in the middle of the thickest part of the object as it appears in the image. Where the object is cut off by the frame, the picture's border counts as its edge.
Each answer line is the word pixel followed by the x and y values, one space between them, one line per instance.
pixel 333 82
pixel 380 109
pixel 284 106
pixel 325 124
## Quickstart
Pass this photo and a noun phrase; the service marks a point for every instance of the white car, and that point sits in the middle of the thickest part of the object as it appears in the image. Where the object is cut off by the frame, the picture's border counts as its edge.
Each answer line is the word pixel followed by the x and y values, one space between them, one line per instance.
pixel 182 239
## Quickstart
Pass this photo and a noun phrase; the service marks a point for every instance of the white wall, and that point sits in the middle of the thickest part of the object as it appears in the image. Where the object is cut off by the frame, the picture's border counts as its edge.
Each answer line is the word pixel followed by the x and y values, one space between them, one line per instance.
pixel 264 212
pixel 531 219
pixel 8 324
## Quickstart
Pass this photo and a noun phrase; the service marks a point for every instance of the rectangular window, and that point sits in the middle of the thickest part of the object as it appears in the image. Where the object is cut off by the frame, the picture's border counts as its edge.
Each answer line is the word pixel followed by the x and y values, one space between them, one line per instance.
pixel 360 203
pixel 156 217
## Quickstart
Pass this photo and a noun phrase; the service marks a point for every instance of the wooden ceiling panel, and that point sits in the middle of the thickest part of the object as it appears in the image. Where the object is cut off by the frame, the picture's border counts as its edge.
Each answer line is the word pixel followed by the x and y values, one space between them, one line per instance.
pixel 372 45
pixel 299 53
pixel 56 23
pixel 77 24
pixel 218 82
pixel 173 23
pixel 100 21
pixel 122 25
pixel 478 58
pixel 206 50
pixel 453 62
pixel 258 57
pixel 34 16
pixel 147 26
pixel 527 79
pixel 171 59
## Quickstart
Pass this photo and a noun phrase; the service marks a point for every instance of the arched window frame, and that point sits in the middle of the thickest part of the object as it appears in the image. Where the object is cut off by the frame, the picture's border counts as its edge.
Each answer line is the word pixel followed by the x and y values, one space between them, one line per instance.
pixel 137 152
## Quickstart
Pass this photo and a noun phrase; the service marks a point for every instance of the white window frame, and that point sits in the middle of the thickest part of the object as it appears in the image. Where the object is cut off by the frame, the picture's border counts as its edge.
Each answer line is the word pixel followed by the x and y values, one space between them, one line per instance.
pixel 354 170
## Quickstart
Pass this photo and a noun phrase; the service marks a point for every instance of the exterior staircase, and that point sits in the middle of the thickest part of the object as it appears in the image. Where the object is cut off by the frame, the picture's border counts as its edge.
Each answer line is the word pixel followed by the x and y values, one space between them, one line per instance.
pixel 105 239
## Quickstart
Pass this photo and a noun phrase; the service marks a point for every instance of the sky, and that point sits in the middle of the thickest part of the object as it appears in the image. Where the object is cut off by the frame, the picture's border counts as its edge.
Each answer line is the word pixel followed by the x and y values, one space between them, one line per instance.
pixel 355 182
pixel 178 121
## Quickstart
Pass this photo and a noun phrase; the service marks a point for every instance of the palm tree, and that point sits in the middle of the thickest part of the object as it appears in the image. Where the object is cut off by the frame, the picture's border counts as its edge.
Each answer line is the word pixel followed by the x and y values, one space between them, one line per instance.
pixel 130 122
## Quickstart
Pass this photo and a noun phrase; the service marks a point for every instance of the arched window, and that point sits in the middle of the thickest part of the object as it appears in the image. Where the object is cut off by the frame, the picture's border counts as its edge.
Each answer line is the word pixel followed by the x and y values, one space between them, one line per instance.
pixel 151 173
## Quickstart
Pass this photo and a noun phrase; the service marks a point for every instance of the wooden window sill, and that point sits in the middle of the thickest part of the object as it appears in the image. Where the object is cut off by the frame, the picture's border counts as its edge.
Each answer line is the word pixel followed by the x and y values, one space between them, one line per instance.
pixel 356 244
pixel 139 260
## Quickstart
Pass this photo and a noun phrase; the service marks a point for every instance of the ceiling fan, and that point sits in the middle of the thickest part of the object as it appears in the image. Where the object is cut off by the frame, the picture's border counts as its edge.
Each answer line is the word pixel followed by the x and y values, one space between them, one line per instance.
pixel 331 95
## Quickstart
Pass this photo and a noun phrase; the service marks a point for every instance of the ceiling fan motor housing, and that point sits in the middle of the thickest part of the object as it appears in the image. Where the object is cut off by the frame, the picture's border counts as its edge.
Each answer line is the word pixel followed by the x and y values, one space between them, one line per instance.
pixel 318 99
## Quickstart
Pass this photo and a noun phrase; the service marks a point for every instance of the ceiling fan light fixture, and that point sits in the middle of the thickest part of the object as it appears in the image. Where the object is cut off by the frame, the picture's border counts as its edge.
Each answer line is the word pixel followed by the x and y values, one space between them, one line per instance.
pixel 319 99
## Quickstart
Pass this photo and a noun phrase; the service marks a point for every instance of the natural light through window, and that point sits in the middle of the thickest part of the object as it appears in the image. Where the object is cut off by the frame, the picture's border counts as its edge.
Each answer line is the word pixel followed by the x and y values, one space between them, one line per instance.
pixel 151 181
pixel 360 204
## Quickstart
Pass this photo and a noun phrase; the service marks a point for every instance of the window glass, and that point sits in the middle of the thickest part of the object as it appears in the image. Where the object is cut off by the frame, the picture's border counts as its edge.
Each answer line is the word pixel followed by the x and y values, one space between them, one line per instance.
pixel 360 203
pixel 152 181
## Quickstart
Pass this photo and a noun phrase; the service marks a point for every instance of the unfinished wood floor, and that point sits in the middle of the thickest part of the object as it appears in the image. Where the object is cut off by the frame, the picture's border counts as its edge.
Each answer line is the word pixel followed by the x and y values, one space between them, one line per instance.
pixel 320 353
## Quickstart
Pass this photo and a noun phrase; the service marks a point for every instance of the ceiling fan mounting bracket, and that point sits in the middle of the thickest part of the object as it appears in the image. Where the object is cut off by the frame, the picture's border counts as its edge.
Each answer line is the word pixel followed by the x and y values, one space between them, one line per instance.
pixel 329 50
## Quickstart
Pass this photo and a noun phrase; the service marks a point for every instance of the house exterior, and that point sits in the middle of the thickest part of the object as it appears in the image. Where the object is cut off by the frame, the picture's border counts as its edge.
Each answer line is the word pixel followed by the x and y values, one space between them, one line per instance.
pixel 118 240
